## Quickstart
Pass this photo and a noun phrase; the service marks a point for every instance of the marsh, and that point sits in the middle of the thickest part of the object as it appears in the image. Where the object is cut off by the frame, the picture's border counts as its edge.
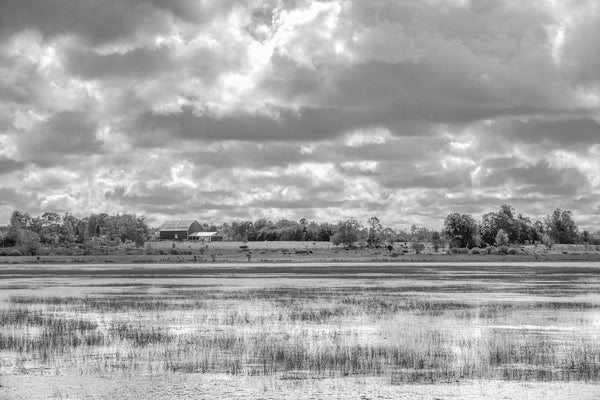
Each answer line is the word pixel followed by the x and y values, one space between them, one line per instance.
pixel 382 329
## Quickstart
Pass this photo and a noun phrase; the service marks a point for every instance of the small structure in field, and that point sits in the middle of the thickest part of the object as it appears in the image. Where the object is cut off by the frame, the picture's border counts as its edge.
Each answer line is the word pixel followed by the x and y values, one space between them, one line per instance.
pixel 179 229
pixel 206 237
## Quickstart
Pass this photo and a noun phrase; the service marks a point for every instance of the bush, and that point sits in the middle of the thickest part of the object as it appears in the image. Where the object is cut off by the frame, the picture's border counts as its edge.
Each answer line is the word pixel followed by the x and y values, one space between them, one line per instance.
pixel 494 251
pixel 13 252
pixel 463 250
pixel 418 247
pixel 512 251
pixel 453 250
pixel 502 238
pixel 503 250
pixel 489 249
pixel 475 250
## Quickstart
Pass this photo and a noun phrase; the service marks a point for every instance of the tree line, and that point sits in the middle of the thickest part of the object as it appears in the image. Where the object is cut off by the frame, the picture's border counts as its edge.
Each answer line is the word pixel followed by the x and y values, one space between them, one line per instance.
pixel 29 232
pixel 497 228
pixel 506 226
pixel 347 232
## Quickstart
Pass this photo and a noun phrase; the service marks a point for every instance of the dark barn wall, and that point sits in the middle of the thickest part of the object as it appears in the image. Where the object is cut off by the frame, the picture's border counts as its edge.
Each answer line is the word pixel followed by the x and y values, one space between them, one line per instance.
pixel 181 235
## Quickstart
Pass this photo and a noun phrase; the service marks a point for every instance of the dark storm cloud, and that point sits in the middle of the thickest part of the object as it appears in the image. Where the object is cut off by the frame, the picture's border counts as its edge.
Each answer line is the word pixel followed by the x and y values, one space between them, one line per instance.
pixel 500 162
pixel 9 197
pixel 250 155
pixel 101 21
pixel 539 178
pixel 563 132
pixel 155 196
pixel 65 133
pixel 8 165
pixel 291 80
pixel 581 44
pixel 297 204
pixel 447 180
pixel 306 124
pixel 14 93
pixel 137 63
pixel 95 20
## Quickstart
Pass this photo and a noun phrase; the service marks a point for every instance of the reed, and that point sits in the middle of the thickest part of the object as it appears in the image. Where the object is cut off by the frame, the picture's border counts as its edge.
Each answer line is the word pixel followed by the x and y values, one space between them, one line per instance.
pixel 399 332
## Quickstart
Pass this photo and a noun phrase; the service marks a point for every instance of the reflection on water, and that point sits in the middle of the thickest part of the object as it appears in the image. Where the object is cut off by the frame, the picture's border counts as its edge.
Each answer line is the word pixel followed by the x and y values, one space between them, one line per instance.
pixel 405 323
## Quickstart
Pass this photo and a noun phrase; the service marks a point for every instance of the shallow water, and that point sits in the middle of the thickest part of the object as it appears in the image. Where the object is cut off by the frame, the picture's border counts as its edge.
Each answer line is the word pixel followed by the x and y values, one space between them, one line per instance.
pixel 332 329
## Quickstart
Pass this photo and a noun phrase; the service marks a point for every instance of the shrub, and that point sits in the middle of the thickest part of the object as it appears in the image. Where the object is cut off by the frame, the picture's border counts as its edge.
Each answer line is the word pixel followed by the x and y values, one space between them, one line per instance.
pixel 489 249
pixel 503 249
pixel 463 250
pixel 475 250
pixel 502 238
pixel 453 250
pixel 418 247
pixel 494 251
pixel 174 252
pixel 13 252
pixel 512 251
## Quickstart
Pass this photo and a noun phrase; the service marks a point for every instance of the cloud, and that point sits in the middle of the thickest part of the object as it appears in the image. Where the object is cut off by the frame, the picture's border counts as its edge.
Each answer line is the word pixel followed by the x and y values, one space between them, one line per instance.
pixel 95 21
pixel 65 133
pixel 562 132
pixel 8 165
pixel 541 178
pixel 319 109
pixel 285 124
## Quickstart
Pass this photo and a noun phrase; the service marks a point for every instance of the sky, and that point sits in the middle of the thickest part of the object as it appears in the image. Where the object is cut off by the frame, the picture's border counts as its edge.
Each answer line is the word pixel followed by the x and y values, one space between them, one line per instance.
pixel 221 110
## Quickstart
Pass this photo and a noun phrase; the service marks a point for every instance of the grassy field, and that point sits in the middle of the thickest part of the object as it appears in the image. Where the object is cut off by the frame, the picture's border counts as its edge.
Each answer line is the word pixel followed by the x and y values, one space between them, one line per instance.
pixel 472 330
pixel 162 252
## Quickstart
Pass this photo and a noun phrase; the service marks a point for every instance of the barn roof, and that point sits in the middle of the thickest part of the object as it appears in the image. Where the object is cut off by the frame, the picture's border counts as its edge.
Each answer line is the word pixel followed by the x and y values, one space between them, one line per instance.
pixel 176 225
pixel 204 234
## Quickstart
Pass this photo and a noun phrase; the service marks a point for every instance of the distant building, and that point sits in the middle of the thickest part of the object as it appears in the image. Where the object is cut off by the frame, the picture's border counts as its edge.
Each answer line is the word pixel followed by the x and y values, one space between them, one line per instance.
pixel 180 229
pixel 206 236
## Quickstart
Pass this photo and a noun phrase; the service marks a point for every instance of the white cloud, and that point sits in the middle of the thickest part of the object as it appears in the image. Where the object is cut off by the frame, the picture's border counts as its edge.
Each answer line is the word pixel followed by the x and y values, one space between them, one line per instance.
pixel 320 108
pixel 368 136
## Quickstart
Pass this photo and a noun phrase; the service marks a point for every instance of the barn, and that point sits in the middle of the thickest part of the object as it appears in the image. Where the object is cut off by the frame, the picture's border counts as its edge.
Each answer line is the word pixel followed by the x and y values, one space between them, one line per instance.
pixel 206 237
pixel 179 229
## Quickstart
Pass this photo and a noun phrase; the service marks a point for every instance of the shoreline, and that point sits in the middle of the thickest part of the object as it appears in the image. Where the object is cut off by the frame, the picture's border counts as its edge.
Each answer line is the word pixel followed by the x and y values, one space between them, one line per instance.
pixel 241 258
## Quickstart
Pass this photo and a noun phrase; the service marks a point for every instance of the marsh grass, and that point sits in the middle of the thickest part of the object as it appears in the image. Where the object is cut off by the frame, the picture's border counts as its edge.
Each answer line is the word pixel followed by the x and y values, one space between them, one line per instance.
pixel 395 331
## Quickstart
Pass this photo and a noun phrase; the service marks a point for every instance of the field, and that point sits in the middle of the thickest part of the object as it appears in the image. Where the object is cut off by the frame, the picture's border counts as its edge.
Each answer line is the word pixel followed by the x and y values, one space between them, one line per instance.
pixel 319 330
pixel 170 252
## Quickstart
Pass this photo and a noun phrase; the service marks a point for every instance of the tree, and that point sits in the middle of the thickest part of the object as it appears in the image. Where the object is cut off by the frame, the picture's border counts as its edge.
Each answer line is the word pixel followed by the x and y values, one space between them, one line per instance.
pixel 437 241
pixel 68 229
pixel 418 247
pixel 547 240
pixel 30 242
pixel 21 220
pixel 585 237
pixel 48 227
pixel 460 229
pixel 375 228
pixel 347 232
pixel 502 238
pixel 518 228
pixel 561 228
